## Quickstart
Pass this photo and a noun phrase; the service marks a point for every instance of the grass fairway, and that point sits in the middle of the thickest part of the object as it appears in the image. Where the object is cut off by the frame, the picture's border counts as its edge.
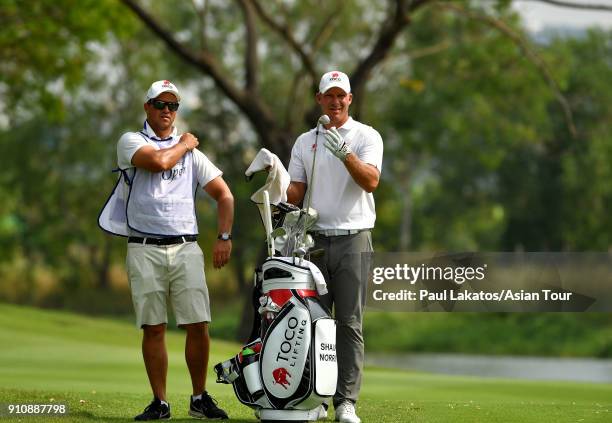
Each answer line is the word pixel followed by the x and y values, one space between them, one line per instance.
pixel 95 366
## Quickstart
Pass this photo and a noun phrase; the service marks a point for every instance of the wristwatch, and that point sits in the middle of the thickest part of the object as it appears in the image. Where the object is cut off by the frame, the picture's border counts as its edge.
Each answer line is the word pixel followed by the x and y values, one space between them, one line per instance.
pixel 225 236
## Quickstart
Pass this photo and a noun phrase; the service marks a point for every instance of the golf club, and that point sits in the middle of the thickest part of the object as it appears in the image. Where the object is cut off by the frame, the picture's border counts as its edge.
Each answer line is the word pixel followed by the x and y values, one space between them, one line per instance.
pixel 323 120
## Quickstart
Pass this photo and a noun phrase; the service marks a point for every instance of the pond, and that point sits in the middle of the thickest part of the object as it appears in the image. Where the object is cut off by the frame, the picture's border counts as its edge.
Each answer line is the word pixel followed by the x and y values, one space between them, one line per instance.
pixel 533 368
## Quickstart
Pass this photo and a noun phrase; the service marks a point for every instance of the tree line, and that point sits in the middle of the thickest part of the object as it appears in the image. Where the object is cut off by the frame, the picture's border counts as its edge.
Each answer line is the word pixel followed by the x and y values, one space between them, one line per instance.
pixel 494 140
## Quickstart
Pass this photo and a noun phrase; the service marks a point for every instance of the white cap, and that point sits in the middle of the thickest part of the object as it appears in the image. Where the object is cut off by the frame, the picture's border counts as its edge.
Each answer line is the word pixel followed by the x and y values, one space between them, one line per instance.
pixel 162 86
pixel 334 79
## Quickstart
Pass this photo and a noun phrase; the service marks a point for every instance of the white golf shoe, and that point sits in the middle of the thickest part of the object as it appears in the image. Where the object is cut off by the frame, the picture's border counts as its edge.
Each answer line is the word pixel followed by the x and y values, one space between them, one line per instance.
pixel 345 413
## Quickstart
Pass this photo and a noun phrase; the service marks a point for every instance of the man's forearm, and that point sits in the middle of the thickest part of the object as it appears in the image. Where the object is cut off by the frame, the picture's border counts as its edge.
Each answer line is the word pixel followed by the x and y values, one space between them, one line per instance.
pixel 295 193
pixel 166 158
pixel 225 213
pixel 169 157
pixel 364 174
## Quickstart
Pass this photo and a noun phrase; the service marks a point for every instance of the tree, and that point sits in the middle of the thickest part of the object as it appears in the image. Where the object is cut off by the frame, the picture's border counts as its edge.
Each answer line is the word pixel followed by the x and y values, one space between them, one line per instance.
pixel 314 52
pixel 61 108
pixel 454 119
pixel 256 88
pixel 484 150
pixel 473 115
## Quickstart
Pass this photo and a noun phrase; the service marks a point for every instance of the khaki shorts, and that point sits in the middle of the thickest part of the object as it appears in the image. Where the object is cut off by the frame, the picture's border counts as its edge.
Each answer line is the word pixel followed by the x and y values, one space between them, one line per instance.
pixel 175 272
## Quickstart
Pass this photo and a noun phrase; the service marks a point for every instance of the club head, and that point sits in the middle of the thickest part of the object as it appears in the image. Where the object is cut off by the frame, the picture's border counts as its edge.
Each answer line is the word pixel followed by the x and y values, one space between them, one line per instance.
pixel 309 218
pixel 308 241
pixel 291 219
pixel 278 232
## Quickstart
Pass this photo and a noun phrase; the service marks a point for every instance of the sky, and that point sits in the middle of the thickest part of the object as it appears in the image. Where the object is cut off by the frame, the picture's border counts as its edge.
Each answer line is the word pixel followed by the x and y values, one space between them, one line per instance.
pixel 539 15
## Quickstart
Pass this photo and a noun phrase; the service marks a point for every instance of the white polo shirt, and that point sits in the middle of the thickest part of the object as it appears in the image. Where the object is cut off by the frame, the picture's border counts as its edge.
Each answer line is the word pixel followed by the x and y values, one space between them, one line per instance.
pixel 165 186
pixel 340 202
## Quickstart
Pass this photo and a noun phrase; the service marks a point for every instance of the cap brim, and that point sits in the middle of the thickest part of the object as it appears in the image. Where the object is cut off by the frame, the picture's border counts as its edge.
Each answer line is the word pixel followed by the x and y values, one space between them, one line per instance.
pixel 175 93
pixel 330 86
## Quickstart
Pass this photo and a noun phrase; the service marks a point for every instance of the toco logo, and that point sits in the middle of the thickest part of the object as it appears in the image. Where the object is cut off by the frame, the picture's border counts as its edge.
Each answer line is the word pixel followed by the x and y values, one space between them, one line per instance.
pixel 292 347
pixel 280 377
pixel 286 348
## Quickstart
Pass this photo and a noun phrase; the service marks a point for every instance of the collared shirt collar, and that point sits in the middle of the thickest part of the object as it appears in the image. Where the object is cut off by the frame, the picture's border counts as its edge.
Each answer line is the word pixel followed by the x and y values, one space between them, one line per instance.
pixel 348 125
pixel 151 133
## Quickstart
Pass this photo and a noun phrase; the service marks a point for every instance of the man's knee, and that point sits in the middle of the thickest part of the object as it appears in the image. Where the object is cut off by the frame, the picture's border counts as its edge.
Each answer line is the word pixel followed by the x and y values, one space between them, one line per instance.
pixel 200 328
pixel 154 332
pixel 351 321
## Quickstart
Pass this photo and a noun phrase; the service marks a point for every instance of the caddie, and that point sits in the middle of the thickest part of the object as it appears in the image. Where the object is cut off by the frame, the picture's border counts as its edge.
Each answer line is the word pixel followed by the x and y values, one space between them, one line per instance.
pixel 153 205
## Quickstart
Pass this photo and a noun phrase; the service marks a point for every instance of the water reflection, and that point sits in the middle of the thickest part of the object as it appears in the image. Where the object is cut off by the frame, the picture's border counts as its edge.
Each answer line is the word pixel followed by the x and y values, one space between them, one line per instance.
pixel 533 368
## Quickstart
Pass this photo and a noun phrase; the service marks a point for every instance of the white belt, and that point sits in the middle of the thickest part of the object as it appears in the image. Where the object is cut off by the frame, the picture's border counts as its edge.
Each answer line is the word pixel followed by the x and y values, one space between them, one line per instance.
pixel 338 232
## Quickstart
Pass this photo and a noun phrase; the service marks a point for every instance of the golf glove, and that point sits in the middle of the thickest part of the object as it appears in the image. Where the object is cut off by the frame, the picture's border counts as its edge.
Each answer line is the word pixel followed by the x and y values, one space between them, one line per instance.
pixel 335 144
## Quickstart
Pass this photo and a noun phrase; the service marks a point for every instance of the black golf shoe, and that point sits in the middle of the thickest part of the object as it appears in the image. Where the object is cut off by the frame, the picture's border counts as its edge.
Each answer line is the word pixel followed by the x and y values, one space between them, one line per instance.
pixel 206 407
pixel 154 411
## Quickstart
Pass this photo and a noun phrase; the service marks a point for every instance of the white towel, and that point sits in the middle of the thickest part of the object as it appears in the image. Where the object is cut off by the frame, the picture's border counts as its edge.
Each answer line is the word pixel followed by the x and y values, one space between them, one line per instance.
pixel 278 177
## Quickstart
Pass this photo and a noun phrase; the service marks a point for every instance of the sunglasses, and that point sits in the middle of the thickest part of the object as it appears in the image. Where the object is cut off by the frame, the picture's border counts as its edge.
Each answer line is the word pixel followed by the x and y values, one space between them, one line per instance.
pixel 160 105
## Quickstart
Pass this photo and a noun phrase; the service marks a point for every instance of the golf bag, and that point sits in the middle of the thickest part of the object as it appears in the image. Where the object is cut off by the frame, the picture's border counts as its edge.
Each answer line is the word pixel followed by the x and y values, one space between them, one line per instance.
pixel 288 367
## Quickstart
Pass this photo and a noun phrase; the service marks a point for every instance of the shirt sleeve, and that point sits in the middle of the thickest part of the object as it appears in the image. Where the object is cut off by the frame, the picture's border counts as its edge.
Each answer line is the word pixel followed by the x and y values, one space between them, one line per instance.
pixel 205 170
pixel 128 145
pixel 371 150
pixel 296 164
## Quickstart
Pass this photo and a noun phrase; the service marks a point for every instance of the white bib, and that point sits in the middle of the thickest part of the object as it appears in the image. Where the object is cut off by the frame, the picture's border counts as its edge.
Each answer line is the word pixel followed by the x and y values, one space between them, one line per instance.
pixel 157 204
pixel 112 218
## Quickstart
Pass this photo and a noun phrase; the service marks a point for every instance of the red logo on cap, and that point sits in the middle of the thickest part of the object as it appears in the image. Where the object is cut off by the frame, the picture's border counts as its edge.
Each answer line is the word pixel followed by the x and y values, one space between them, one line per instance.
pixel 167 82
pixel 335 75
pixel 280 377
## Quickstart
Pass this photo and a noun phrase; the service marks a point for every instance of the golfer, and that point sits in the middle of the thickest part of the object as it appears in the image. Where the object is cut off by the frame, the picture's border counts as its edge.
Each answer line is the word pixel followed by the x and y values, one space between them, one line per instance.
pixel 162 171
pixel 345 174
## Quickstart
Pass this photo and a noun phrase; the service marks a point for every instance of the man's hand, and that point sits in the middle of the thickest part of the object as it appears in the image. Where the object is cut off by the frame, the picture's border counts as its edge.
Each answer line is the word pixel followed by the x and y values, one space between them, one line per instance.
pixel 189 141
pixel 220 192
pixel 335 144
pixel 221 253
